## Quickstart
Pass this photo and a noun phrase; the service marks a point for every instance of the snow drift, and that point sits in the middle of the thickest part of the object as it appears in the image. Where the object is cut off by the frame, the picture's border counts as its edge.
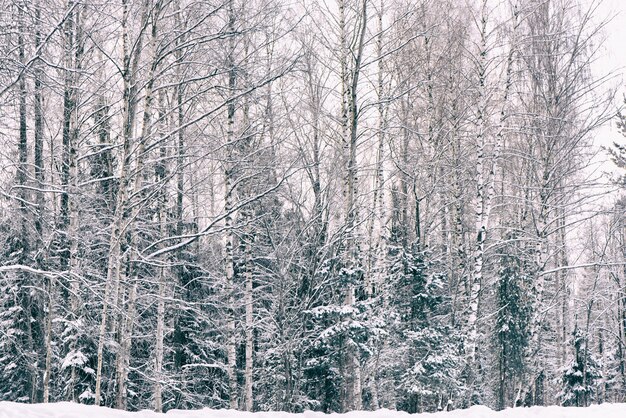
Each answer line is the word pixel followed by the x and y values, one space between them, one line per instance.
pixel 71 410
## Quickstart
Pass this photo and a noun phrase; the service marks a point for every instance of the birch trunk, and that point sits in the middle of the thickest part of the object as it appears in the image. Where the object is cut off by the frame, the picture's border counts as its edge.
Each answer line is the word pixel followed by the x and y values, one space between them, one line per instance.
pixel 481 198
pixel 161 177
pixel 72 230
pixel 351 116
pixel 228 220
pixel 485 189
pixel 346 363
pixel 376 224
pixel 146 132
pixel 114 260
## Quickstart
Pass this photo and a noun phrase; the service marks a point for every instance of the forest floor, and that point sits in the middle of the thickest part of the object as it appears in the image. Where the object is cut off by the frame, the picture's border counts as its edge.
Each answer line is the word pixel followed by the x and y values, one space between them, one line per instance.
pixel 71 410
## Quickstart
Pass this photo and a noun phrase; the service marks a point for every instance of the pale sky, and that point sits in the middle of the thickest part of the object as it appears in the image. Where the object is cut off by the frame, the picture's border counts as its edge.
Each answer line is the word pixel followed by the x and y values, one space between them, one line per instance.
pixel 615 45
pixel 613 57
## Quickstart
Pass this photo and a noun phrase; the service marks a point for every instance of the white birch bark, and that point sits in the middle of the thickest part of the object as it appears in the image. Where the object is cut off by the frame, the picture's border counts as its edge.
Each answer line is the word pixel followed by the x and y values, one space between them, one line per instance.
pixel 146 132
pixel 485 189
pixel 114 261
pixel 161 177
pixel 228 220
pixel 481 198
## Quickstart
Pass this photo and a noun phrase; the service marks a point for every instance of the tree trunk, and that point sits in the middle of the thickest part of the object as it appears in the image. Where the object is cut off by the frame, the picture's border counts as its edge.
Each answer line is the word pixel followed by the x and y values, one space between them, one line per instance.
pixel 161 177
pixel 114 261
pixel 481 202
pixel 123 360
pixel 229 196
pixel 158 355
pixel 249 302
pixel 38 114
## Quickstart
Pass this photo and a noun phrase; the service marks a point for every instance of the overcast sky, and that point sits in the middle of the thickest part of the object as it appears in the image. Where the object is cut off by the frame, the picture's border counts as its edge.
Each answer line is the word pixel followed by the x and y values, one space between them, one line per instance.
pixel 613 58
pixel 615 45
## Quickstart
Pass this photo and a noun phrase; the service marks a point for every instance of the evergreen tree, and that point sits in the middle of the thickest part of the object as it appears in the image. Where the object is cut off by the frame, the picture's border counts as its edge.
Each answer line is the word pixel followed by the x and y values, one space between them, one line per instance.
pixel 580 378
pixel 511 327
pixel 21 322
pixel 339 328
pixel 430 374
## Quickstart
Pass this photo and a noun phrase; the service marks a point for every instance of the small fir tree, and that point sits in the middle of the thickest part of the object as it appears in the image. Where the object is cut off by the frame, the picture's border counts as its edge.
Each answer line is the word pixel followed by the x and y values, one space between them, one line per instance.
pixel 580 378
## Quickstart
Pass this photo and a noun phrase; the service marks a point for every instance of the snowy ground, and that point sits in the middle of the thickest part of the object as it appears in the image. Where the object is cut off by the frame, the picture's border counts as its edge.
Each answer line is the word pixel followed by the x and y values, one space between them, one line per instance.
pixel 70 410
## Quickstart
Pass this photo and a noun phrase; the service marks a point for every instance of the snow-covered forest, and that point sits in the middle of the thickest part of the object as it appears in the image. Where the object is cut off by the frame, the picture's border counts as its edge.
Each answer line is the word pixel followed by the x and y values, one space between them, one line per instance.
pixel 326 205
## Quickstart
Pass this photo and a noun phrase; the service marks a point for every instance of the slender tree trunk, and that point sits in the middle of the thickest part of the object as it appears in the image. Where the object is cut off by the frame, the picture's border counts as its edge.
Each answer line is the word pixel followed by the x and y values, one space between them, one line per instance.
pixel 249 302
pixel 48 370
pixel 229 197
pixel 146 132
pixel 72 227
pixel 486 180
pixel 22 147
pixel 38 115
pixel 126 330
pixel 158 355
pixel 247 243
pixel 26 300
pixel 350 118
pixel 161 177
pixel 114 261
pixel 481 196
pixel 563 289
pixel 39 179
